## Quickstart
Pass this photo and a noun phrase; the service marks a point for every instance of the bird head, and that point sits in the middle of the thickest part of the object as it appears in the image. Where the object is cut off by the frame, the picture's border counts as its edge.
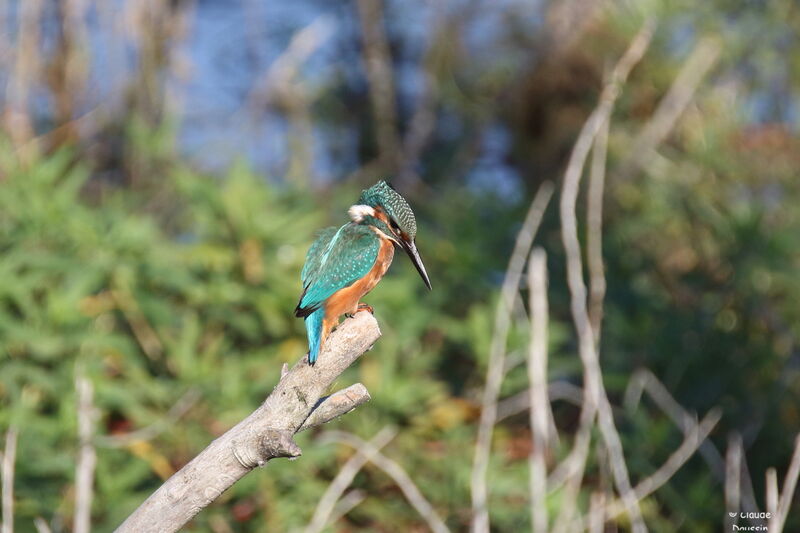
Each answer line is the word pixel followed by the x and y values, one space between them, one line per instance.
pixel 383 208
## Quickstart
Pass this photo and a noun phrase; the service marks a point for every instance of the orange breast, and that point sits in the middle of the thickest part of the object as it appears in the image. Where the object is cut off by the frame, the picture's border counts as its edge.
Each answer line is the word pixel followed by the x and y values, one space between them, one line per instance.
pixel 346 300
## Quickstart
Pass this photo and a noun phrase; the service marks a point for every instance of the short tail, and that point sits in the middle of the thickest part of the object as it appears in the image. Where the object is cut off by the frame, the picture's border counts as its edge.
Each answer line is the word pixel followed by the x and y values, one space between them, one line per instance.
pixel 314 332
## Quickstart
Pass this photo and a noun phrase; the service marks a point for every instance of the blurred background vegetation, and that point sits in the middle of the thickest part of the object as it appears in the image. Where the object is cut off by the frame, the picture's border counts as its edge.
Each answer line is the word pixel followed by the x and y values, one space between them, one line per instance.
pixel 164 166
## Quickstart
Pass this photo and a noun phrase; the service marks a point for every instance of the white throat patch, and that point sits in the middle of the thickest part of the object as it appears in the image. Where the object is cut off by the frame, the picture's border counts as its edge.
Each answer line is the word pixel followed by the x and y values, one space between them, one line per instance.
pixel 359 211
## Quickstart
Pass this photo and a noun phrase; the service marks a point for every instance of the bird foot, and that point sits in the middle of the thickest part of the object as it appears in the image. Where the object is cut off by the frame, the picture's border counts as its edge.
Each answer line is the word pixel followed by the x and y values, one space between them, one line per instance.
pixel 364 307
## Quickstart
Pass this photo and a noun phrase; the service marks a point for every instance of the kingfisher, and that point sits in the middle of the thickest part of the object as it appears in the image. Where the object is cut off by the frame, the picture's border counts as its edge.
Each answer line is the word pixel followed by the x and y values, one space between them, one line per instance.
pixel 344 264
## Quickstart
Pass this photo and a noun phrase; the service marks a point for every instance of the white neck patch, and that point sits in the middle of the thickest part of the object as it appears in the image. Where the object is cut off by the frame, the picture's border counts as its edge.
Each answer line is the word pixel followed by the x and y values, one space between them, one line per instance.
pixel 359 211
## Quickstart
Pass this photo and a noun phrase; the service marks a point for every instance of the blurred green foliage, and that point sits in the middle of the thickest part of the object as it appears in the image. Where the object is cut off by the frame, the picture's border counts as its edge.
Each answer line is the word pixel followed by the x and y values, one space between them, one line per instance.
pixel 197 297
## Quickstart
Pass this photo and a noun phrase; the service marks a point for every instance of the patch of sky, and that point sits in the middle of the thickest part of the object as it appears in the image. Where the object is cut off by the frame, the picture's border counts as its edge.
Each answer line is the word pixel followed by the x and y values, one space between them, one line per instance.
pixel 491 174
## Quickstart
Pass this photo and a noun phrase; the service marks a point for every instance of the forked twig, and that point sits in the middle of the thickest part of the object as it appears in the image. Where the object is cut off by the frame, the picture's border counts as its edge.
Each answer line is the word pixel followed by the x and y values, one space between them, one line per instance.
pixel 685 451
pixel 397 473
pixel 644 380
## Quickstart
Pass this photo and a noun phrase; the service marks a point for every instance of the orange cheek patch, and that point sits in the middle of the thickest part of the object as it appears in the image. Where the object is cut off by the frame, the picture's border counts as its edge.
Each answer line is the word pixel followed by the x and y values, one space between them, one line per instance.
pixel 381 215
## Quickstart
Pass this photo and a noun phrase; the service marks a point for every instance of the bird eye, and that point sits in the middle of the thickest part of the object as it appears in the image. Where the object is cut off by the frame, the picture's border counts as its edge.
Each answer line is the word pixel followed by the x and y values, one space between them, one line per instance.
pixel 394 225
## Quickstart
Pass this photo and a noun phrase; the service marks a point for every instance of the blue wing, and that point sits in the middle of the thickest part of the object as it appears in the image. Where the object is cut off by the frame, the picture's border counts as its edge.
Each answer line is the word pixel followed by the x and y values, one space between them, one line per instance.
pixel 336 262
pixel 314 255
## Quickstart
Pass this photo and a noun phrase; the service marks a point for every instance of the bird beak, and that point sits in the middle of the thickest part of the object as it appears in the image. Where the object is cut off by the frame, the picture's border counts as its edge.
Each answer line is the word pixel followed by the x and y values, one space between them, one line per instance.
pixel 411 250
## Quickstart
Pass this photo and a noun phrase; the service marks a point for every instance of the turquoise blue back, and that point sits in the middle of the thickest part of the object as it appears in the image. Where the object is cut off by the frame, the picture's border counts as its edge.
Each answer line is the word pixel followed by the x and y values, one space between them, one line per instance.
pixel 337 259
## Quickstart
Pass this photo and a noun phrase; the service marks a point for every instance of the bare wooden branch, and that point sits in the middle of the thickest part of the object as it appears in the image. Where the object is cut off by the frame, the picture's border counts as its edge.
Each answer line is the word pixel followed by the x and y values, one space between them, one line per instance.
pixel 396 472
pixel 540 414
pixel 345 477
pixel 266 434
pixel 497 356
pixel 337 404
pixel 87 455
pixel 9 458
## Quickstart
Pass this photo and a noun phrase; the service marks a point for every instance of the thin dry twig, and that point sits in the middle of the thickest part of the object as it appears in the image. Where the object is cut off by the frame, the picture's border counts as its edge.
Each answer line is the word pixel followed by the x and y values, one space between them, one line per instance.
pixel 41 525
pixel 597 512
pixel 264 435
pixel 87 455
pixel 595 399
pixel 175 413
pixel 733 469
pixel 644 380
pixel 327 503
pixel 521 402
pixel 777 522
pixel 672 106
pixel 771 488
pixel 348 502
pixel 397 473
pixel 497 356
pixel 685 451
pixel 540 414
pixel 8 459
pixel 594 230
